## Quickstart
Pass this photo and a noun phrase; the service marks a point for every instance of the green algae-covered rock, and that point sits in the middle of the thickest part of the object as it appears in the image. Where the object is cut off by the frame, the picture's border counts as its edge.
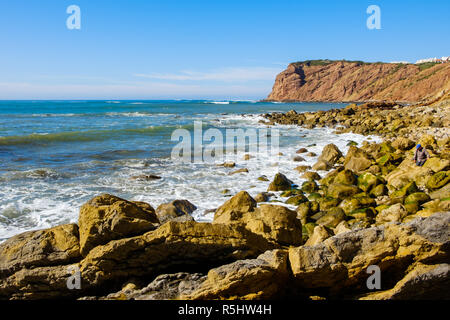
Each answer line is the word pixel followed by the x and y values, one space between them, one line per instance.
pixel 314 196
pixel 411 207
pixel 309 186
pixel 296 200
pixel 280 183
pixel 345 177
pixel 328 203
pixel 378 191
pixel 367 181
pixel 350 204
pixel 406 190
pixel 332 218
pixel 340 191
pixel 290 193
pixel 363 214
pixel 419 197
pixel 438 180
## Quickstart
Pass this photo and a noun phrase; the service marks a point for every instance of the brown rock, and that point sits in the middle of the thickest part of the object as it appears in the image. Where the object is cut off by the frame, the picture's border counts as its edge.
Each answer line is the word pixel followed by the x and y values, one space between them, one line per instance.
pixel 107 217
pixel 178 210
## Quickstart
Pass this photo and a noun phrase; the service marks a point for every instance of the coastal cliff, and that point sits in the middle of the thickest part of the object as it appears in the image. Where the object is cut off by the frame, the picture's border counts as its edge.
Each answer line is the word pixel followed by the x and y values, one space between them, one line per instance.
pixel 355 81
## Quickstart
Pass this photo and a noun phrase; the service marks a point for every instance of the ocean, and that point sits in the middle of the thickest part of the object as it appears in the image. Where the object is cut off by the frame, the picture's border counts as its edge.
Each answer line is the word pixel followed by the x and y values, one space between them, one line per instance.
pixel 56 155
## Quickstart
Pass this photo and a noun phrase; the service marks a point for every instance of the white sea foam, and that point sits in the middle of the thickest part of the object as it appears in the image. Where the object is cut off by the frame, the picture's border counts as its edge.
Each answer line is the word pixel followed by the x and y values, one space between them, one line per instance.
pixel 43 203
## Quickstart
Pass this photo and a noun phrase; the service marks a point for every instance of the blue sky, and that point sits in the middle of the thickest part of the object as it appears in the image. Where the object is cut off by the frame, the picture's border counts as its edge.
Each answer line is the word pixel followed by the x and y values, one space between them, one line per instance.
pixel 196 49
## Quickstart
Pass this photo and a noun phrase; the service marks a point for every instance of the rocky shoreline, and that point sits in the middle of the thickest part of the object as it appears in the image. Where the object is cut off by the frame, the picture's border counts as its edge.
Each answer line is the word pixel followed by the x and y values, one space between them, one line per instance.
pixel 374 206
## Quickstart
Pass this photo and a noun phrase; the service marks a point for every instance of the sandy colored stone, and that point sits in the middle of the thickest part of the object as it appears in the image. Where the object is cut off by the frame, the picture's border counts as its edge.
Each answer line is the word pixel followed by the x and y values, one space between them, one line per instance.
pixel 262 278
pixel 58 245
pixel 108 217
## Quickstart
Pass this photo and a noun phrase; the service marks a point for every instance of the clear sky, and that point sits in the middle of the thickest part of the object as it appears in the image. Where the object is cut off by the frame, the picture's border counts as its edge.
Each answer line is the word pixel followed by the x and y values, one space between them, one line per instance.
pixel 195 49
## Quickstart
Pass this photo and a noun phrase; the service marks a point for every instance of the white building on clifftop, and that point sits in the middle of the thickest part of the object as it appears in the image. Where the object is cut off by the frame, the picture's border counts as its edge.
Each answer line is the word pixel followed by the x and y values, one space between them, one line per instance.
pixel 435 60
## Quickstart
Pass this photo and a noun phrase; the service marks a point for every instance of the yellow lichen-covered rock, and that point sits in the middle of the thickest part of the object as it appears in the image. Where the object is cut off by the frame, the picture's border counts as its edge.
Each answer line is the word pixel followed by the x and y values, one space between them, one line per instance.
pixel 276 223
pixel 171 245
pixel 262 278
pixel 319 235
pixel 427 141
pixel 58 245
pixel 280 183
pixel 330 154
pixel 437 164
pixel 425 282
pixel 48 282
pixel 406 172
pixel 234 208
pixel 107 217
pixel 394 213
pixel 341 262
pixel 357 160
pixel 178 210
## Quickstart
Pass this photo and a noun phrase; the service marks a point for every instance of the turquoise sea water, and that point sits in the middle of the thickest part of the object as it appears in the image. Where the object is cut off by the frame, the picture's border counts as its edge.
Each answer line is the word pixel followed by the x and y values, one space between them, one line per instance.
pixel 56 155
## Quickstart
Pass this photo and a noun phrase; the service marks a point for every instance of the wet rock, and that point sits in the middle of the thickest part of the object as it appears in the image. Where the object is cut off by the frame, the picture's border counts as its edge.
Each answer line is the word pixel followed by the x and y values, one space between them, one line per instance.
pixel 394 213
pixel 243 170
pixel 322 166
pixel 280 183
pixel 144 177
pixel 311 175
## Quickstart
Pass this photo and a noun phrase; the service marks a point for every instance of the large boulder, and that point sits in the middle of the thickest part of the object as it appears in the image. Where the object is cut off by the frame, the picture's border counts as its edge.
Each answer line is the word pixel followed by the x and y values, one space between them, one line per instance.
pixel 173 245
pixel 394 213
pixel 403 143
pixel 311 175
pixel 330 154
pixel 280 183
pixel 107 217
pixel 441 193
pixel 357 160
pixel 332 218
pixel 163 287
pixel 367 181
pixel 406 172
pixel 322 165
pixel 49 247
pixel 340 191
pixel 438 180
pixel 427 141
pixel 235 208
pixel 276 223
pixel 437 164
pixel 340 263
pixel 345 177
pixel 319 235
pixel 178 210
pixel 265 277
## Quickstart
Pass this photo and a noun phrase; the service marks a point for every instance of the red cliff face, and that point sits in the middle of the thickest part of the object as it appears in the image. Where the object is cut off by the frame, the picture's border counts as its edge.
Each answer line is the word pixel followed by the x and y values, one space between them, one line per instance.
pixel 358 81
